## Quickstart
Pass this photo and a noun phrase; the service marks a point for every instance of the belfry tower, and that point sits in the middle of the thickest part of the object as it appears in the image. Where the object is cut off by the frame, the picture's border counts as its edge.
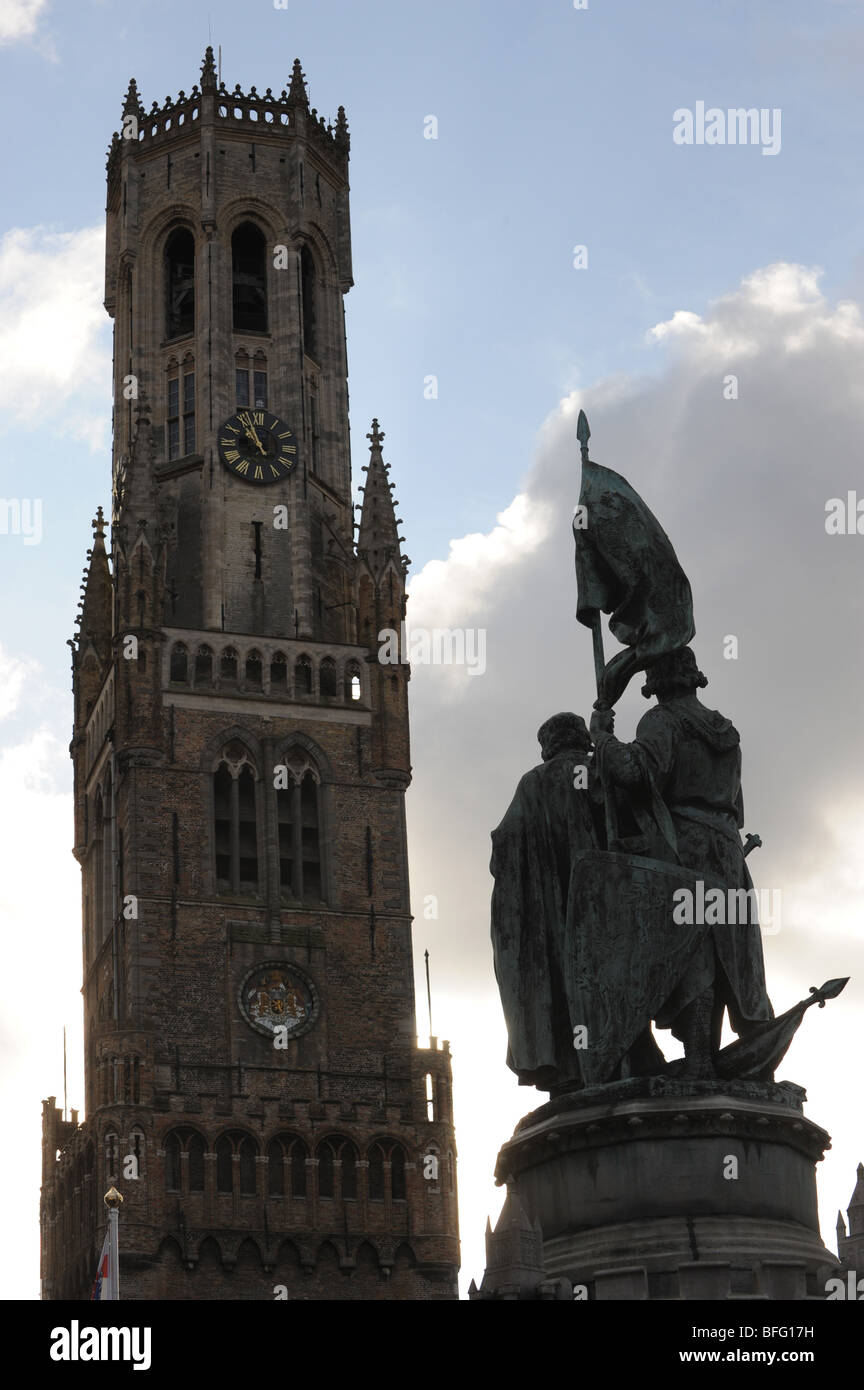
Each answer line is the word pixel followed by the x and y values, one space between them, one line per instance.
pixel 254 1087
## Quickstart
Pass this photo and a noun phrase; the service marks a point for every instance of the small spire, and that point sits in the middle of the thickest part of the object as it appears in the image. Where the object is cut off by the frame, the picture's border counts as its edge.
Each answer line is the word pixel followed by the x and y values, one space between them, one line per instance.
pixel 132 104
pixel 378 538
pixel 98 524
pixel 297 93
pixel 208 71
pixel 341 124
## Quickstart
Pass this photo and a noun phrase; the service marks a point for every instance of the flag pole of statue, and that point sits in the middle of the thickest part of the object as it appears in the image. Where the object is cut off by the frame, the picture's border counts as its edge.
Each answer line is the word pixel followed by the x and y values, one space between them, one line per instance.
pixel 625 566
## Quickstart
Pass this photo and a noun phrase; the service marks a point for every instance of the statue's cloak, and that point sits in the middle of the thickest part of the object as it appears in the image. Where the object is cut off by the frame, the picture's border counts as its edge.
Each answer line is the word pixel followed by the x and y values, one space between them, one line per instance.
pixel 546 824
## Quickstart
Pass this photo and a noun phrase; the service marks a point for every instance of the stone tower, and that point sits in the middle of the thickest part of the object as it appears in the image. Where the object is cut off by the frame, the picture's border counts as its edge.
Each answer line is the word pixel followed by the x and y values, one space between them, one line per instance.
pixel 254 1086
pixel 850 1242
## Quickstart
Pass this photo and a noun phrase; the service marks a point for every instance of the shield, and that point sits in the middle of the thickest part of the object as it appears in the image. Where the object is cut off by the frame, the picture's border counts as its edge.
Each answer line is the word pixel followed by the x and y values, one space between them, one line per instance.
pixel 624 952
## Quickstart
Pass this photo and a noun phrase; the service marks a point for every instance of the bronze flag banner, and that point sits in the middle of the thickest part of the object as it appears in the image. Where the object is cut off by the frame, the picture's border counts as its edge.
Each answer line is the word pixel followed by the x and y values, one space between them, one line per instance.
pixel 625 565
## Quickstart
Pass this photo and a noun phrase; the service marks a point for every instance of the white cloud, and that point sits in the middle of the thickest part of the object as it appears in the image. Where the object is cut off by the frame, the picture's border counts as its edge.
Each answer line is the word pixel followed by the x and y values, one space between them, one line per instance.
pixel 55 354
pixel 19 19
pixel 15 672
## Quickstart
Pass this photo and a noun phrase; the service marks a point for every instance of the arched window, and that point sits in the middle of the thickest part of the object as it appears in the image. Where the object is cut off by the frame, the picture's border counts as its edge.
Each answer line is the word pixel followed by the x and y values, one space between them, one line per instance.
pixel 278 672
pixel 180 284
pixel 224 1164
pixel 111 1155
pixel 311 886
pixel 309 289
pixel 275 1169
pixel 249 279
pixel 298 1168
pixel 179 663
pixel 376 1173
pixel 348 1154
pixel 98 853
pixel 286 1156
pixel 172 1163
pixel 196 1163
pixel 235 828
pixel 228 665
pixel 247 1167
pixel 253 670
pixel 250 381
pixel 352 681
pixel 303 676
pixel 397 1173
pixel 328 683
pixel 326 1171
pixel 298 819
pixel 180 408
pixel 137 1146
pixel 203 666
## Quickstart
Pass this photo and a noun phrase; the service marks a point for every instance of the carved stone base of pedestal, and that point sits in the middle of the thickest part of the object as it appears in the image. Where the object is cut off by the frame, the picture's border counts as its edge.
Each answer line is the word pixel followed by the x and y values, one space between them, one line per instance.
pixel 654 1189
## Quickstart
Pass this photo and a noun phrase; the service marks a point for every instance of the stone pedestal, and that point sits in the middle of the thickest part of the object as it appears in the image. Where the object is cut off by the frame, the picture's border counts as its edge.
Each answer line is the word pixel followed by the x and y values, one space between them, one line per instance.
pixel 659 1189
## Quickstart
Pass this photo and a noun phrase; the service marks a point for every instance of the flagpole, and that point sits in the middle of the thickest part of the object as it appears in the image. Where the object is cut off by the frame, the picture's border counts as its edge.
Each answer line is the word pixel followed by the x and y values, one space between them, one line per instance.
pixel 112 1201
pixel 583 434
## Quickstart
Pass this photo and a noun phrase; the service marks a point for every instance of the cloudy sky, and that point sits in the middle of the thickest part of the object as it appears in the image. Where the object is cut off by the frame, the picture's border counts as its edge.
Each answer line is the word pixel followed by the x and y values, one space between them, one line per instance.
pixel 555 131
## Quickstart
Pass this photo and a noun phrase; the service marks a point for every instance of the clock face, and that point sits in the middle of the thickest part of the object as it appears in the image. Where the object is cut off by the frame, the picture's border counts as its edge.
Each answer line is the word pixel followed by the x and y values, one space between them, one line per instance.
pixel 257 446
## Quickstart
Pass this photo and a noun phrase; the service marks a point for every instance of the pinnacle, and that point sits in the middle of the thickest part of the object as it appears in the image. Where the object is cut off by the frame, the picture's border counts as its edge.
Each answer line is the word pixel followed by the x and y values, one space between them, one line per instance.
pixel 297 90
pixel 208 71
pixel 132 103
pixel 378 537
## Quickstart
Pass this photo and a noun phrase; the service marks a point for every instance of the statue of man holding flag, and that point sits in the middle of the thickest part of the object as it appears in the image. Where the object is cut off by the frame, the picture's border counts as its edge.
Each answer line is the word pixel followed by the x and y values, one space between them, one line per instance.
pixel 586 940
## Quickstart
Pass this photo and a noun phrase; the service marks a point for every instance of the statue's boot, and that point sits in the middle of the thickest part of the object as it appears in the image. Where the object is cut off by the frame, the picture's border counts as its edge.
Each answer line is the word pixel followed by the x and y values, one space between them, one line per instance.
pixel 694 1026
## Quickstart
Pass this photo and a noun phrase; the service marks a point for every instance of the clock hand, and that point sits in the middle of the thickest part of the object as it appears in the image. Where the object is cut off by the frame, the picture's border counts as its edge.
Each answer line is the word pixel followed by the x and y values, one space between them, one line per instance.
pixel 252 434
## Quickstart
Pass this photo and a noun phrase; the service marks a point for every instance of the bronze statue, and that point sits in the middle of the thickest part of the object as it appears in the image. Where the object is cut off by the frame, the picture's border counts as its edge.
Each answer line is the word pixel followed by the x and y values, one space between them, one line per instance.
pixel 596 854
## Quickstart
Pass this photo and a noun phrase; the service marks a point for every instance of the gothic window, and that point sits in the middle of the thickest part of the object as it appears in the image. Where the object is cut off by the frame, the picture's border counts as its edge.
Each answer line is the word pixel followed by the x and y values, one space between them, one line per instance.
pixel 303 676
pixel 251 383
pixel 247 1167
pixel 136 1080
pixel 286 1159
pixel 180 284
pixel 179 663
pixel 311 885
pixel 253 670
pixel 308 282
pixel 326 1171
pixel 348 1155
pixel 111 1155
pixel 298 1169
pixel 329 1152
pixel 203 666
pixel 196 1163
pixel 397 1173
pixel 180 411
pixel 278 672
pixel 376 1173
pixel 172 1163
pixel 298 819
pixel 249 279
pixel 352 681
pixel 228 665
pixel 328 683
pixel 235 823
pixel 275 1169
pixel 98 855
pixel 224 1165
pixel 136 1149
